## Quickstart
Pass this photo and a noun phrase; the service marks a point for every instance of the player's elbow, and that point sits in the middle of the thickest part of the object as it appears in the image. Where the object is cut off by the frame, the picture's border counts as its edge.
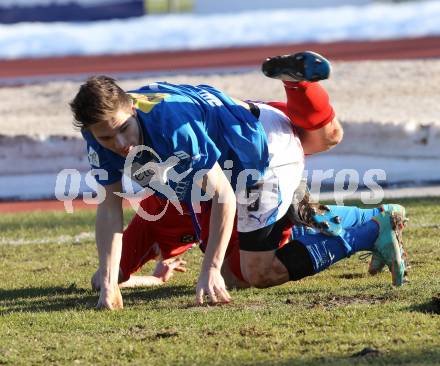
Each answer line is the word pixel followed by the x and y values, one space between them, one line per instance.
pixel 225 196
pixel 334 137
pixel 323 139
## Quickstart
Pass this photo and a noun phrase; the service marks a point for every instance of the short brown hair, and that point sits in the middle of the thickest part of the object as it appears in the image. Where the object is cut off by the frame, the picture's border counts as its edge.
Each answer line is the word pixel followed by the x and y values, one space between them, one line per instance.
pixel 98 100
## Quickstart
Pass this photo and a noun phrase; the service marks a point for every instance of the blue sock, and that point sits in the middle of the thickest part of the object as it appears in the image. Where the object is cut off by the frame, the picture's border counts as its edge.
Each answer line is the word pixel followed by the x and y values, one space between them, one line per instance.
pixel 353 216
pixel 362 237
pixel 326 250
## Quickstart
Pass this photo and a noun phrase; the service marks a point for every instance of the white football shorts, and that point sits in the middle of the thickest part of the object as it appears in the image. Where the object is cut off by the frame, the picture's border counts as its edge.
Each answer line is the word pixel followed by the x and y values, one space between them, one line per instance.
pixel 269 199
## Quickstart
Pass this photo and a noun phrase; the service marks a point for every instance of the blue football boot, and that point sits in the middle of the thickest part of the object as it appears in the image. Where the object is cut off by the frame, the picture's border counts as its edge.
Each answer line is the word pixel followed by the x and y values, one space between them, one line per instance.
pixel 301 66
pixel 388 248
pixel 377 263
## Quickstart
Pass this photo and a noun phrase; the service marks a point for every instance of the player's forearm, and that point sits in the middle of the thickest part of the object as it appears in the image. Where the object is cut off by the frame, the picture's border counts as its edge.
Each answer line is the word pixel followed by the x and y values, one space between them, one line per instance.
pixel 220 229
pixel 142 281
pixel 109 224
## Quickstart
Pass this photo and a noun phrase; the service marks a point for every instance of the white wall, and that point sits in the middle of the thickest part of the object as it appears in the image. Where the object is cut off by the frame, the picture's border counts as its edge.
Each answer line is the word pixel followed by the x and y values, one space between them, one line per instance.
pixel 227 6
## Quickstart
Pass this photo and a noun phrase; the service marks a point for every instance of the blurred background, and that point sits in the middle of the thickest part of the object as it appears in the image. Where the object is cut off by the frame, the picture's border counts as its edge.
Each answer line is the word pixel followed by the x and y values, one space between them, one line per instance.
pixel 13 11
pixel 385 82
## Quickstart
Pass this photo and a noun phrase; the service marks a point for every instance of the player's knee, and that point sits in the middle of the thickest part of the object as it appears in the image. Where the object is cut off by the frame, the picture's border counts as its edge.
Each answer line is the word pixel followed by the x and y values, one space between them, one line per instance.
pixel 260 275
pixel 257 278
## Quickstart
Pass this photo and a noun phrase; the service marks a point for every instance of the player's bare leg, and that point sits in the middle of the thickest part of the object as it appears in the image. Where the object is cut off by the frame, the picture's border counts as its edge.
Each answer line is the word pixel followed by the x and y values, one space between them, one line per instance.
pixel 231 280
pixel 162 273
pixel 263 269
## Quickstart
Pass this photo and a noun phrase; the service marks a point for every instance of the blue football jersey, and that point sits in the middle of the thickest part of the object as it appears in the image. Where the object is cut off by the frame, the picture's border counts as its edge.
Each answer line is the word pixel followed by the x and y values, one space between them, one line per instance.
pixel 189 129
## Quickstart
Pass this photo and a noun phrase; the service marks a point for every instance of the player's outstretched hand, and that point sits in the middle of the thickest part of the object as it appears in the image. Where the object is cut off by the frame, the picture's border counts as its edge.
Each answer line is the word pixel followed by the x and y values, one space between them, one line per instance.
pixel 212 285
pixel 165 268
pixel 110 299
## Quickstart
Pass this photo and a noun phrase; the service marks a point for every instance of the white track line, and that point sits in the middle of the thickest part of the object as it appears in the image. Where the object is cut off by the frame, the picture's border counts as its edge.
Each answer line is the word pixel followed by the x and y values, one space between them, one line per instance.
pixel 63 239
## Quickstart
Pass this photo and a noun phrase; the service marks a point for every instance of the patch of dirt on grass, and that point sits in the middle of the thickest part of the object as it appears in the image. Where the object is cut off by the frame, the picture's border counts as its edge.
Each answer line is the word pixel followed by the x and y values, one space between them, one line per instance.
pixel 254 332
pixel 352 276
pixel 42 269
pixel 138 328
pixel 247 305
pixel 203 307
pixel 142 332
pixel 167 334
pixel 336 301
pixel 209 333
pixel 139 332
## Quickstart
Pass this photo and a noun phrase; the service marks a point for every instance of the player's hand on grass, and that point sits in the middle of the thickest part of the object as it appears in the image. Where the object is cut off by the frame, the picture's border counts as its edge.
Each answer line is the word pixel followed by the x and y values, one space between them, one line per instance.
pixel 212 285
pixel 110 298
pixel 165 268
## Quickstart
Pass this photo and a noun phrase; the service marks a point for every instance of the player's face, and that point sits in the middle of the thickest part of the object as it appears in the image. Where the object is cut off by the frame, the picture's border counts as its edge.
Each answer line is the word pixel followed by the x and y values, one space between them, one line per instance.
pixel 119 135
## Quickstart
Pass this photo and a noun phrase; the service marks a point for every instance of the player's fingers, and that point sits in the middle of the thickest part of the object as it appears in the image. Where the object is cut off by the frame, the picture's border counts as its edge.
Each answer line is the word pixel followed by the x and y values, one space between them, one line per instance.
pixel 223 295
pixel 212 297
pixel 226 297
pixel 104 305
pixel 179 267
pixel 118 304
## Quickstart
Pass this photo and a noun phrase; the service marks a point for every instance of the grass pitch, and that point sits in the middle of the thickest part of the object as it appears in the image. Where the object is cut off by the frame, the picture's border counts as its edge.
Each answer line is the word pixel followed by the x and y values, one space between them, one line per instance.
pixel 47 311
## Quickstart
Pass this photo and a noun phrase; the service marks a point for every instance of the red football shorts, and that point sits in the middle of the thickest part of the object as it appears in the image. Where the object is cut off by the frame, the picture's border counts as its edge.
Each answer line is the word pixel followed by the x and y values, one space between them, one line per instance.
pixel 170 236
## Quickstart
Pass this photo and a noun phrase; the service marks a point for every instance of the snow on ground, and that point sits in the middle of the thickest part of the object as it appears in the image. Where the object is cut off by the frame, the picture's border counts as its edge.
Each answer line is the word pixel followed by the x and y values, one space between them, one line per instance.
pixel 182 32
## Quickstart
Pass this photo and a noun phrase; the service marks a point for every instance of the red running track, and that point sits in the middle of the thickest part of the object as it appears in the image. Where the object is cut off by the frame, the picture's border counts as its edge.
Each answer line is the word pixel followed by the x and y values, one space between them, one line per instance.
pixel 416 48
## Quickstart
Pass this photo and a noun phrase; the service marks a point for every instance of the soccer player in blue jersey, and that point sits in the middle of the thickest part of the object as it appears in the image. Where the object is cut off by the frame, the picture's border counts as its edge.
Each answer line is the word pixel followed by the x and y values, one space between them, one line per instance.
pixel 193 143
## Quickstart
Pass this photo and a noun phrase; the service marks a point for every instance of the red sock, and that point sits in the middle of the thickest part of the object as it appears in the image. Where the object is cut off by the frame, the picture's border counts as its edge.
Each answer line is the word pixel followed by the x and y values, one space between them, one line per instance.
pixel 307 105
